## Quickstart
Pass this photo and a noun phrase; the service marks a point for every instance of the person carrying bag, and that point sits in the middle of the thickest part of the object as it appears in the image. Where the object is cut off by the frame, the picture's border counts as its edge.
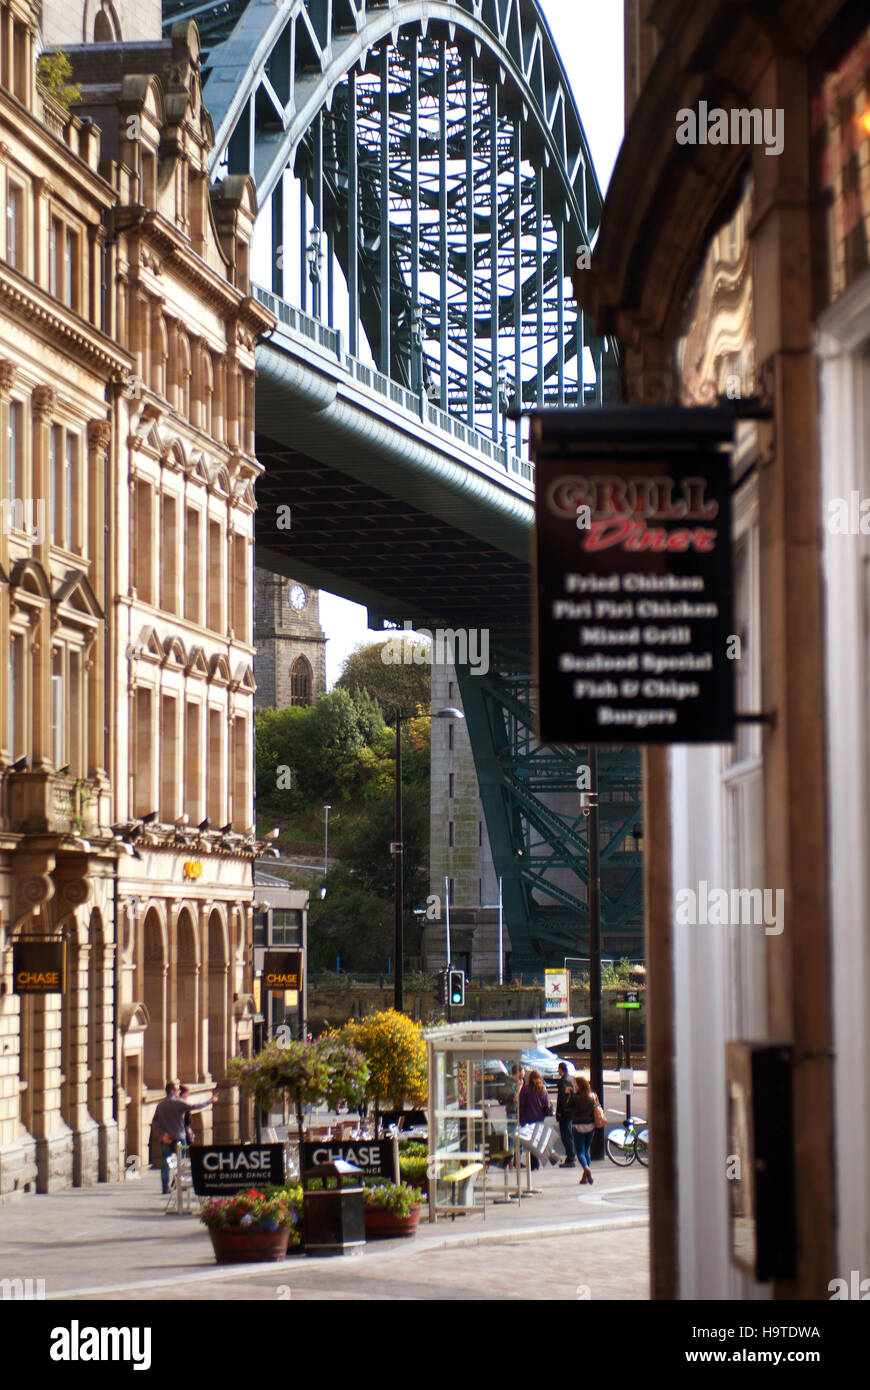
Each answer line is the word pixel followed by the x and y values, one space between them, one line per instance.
pixel 585 1111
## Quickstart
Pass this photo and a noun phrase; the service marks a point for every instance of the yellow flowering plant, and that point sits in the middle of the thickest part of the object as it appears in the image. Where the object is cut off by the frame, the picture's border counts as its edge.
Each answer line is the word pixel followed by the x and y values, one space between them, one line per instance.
pixel 393 1046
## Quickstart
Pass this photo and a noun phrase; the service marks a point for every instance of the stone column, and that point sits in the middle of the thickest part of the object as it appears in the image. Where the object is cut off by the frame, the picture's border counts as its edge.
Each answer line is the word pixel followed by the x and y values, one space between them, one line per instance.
pixel 42 1034
pixel 43 403
pixel 798 965
pixel 7 380
pixel 100 1005
pixel 75 1058
pixel 233 401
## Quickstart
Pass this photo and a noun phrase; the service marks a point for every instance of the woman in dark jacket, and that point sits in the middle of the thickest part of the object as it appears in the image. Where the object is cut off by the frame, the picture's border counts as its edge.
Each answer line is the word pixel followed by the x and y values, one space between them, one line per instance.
pixel 583 1103
pixel 534 1104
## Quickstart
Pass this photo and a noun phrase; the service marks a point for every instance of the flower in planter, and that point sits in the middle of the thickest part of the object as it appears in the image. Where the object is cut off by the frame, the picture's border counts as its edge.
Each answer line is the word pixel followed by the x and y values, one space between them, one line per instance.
pixel 268 1210
pixel 397 1198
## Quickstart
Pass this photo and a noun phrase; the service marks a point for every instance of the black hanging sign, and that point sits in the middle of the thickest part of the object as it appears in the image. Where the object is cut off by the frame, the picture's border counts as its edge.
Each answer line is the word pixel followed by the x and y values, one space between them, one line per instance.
pixel 635 638
pixel 39 967
pixel 282 970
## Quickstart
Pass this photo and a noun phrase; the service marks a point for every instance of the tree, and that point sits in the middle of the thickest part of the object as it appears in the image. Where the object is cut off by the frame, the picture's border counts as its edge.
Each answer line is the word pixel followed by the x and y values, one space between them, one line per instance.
pixel 329 1069
pixel 351 922
pixel 54 71
pixel 321 745
pixel 368 855
pixel 393 1047
pixel 406 686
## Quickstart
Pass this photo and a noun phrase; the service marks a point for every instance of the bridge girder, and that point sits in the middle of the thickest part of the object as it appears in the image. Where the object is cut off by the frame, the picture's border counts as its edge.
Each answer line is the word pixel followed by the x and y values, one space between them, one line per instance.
pixel 436 146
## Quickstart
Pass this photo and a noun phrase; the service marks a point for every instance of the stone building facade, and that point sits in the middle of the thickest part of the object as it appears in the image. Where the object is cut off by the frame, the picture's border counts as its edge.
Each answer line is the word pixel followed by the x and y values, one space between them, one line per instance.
pixel 126 821
pixel 290 663
pixel 58 372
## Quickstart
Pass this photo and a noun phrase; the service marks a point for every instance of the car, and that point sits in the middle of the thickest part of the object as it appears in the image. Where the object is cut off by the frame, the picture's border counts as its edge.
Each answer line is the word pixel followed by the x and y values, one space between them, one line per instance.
pixel 546 1062
pixel 496 1075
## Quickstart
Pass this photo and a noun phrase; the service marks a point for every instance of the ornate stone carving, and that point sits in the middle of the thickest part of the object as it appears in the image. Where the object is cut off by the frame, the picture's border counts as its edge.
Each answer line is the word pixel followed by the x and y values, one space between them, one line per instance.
pixel 33 894
pixel 7 376
pixel 44 403
pixel 76 891
pixel 99 434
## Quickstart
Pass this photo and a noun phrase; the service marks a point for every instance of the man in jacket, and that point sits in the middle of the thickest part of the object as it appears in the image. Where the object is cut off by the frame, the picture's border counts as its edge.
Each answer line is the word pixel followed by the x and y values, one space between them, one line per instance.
pixel 168 1121
pixel 564 1092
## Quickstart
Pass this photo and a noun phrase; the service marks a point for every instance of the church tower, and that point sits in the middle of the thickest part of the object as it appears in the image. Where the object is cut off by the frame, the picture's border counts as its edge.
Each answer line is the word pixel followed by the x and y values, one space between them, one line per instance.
pixel 290 664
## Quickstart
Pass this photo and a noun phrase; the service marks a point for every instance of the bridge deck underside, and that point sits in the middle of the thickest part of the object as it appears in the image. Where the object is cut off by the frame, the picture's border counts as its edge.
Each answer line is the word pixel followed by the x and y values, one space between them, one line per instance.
pixel 402 562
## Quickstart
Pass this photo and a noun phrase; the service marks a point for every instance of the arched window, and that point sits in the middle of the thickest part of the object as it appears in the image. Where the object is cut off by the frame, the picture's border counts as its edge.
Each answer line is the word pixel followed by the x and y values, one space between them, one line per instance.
pixel 182 400
pixel 155 999
pixel 106 26
pixel 300 681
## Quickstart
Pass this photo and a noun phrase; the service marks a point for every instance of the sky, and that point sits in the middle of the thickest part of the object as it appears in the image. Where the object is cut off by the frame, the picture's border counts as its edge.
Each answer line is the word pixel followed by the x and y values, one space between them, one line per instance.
pixel 588 35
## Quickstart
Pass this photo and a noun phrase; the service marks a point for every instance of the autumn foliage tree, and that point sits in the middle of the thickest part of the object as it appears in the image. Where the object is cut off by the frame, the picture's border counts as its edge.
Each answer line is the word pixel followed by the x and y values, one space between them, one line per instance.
pixel 395 1051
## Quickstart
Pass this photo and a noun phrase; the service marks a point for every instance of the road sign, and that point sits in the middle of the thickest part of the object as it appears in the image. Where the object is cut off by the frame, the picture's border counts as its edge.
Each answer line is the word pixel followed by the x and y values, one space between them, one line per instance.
pixel 626 1080
pixel 635 638
pixel 628 999
pixel 556 992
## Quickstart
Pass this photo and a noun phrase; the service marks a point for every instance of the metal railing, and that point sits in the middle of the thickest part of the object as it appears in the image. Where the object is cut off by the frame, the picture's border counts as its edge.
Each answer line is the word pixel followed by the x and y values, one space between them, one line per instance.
pixel 415 403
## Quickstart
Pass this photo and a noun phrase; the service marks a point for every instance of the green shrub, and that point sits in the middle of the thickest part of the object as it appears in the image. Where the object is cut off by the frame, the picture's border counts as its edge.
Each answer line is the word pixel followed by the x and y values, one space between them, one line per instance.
pixel 414 1168
pixel 397 1198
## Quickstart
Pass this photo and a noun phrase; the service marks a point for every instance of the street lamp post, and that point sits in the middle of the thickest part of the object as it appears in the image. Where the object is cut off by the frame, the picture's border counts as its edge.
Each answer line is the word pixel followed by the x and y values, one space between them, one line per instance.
pixel 504 402
pixel 314 256
pixel 416 347
pixel 500 906
pixel 596 1051
pixel 327 809
pixel 399 884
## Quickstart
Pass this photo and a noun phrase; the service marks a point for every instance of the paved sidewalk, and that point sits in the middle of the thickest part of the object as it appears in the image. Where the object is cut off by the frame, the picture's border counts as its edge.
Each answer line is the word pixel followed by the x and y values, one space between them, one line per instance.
pixel 114 1241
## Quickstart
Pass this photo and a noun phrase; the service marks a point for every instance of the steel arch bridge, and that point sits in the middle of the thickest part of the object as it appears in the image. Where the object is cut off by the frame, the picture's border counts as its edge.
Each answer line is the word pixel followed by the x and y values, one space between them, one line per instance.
pixel 424 185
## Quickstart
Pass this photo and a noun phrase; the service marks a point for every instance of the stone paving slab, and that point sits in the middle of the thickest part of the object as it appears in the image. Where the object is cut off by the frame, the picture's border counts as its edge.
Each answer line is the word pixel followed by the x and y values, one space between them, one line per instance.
pixel 115 1241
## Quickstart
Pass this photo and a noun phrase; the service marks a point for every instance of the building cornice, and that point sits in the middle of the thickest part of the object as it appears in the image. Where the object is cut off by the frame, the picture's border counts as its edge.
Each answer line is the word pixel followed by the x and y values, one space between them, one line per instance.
pixel 179 256
pixel 23 126
pixel 69 332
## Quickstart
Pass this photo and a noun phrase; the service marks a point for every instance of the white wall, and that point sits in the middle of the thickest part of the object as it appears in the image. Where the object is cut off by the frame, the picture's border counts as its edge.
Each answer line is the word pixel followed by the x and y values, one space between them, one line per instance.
pixel 844 345
pixel 719 971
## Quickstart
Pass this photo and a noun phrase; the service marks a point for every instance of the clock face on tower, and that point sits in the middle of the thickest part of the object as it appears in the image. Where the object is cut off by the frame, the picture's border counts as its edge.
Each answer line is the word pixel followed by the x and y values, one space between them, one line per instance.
pixel 298 597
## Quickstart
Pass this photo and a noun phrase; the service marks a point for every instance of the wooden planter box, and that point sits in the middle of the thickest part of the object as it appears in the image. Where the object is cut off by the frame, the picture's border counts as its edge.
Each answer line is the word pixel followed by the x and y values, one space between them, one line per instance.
pixel 242 1244
pixel 385 1225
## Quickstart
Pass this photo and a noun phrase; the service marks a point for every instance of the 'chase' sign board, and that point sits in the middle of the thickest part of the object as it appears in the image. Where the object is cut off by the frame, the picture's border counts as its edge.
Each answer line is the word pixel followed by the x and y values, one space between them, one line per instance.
pixel 282 970
pixel 39 967
pixel 374 1158
pixel 219 1169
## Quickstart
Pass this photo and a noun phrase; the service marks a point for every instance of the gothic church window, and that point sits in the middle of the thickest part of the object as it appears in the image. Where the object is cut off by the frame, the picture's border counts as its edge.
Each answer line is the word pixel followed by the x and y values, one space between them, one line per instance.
pixel 300 681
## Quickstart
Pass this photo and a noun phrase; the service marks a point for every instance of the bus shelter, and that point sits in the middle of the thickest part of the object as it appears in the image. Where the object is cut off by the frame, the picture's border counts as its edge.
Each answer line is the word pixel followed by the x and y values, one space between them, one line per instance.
pixel 468 1119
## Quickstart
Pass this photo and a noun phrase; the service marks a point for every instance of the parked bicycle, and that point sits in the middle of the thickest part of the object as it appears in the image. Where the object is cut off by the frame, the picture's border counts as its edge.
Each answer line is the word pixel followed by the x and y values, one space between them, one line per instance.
pixel 629 1142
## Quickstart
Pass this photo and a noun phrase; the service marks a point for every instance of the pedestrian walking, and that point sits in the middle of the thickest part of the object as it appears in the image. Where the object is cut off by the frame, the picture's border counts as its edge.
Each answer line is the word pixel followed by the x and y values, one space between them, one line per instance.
pixel 564 1094
pixel 168 1122
pixel 583 1104
pixel 534 1105
pixel 507 1096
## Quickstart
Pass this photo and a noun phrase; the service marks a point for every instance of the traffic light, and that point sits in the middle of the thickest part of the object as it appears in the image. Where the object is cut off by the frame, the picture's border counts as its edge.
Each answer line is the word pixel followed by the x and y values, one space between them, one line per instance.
pixel 456 986
pixel 443 976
